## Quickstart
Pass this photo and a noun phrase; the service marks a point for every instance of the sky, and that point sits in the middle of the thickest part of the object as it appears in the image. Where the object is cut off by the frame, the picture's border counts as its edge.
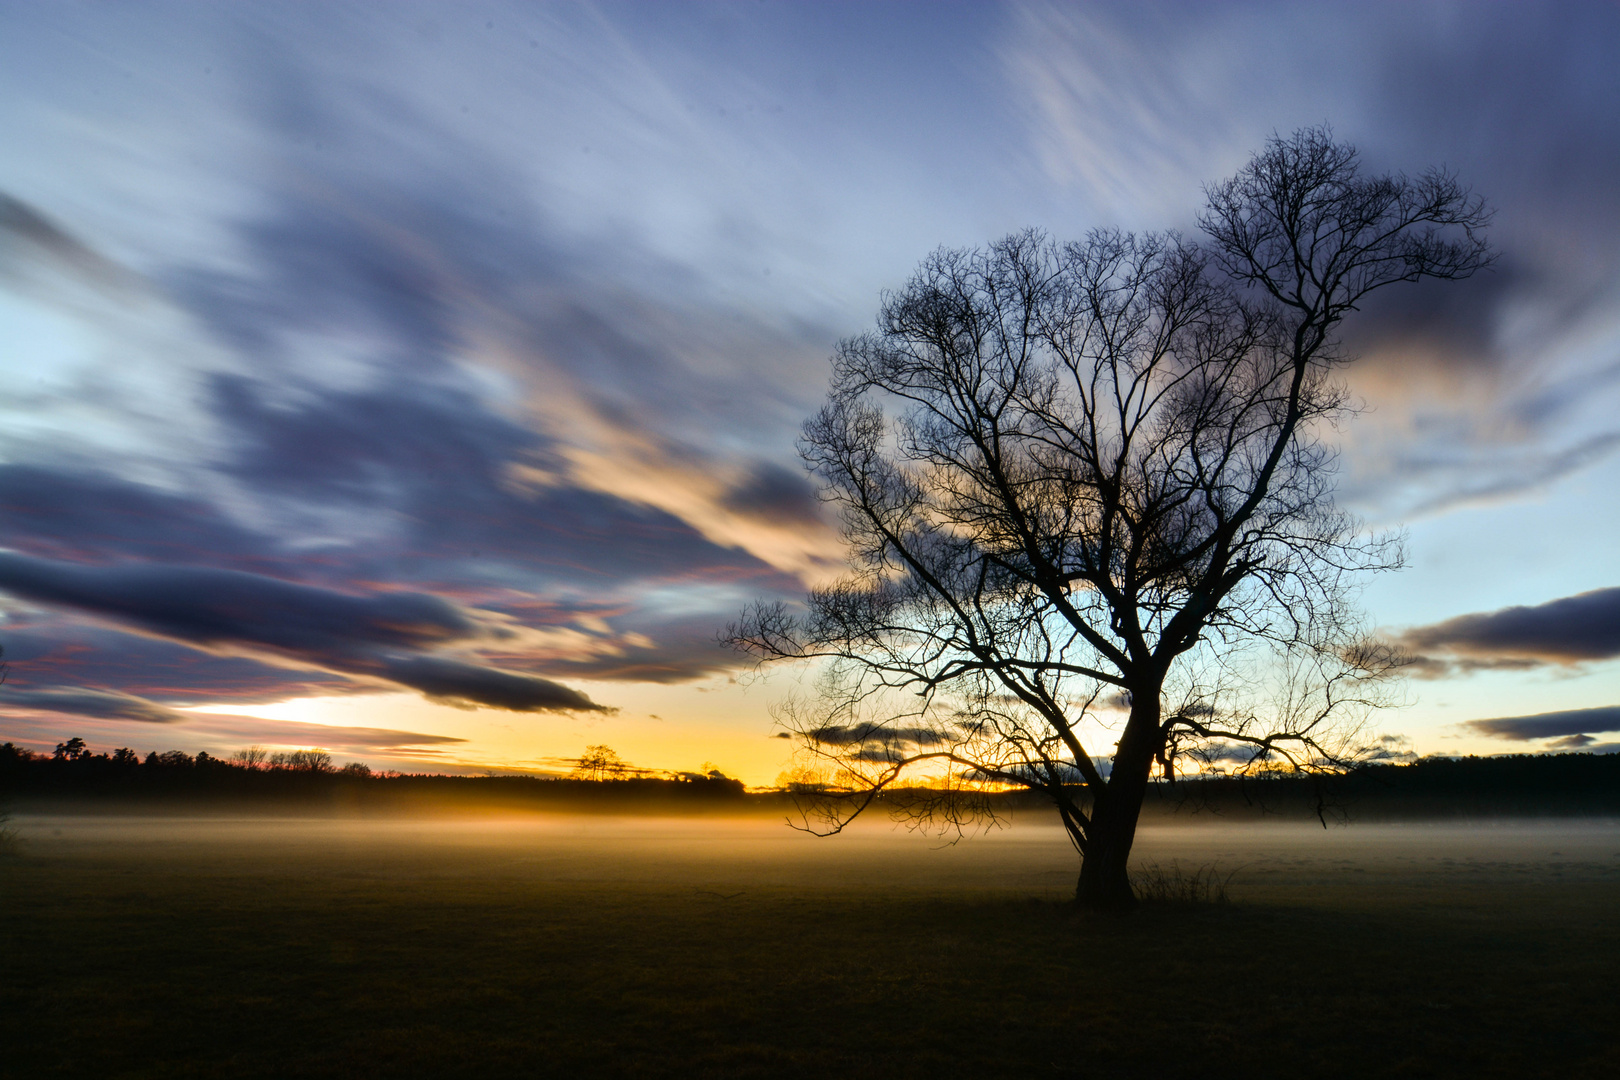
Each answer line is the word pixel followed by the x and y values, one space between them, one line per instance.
pixel 421 381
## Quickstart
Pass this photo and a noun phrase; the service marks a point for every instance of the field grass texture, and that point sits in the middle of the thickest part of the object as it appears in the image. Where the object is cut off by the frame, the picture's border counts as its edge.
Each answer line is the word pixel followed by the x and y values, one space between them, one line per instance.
pixel 565 945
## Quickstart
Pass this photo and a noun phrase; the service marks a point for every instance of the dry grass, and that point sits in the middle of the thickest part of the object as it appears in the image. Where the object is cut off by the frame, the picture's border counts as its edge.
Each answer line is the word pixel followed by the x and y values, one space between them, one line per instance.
pixel 1156 884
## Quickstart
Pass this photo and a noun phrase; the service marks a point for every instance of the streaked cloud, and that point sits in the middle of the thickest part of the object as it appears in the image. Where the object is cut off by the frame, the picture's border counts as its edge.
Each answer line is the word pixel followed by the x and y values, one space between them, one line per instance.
pixel 83 701
pixel 1477 392
pixel 384 636
pixel 1571 630
pixel 1570 728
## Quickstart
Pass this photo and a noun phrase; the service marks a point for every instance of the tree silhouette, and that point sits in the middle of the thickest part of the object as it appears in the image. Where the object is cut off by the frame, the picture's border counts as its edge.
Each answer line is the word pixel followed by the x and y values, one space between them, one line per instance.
pixel 72 750
pixel 313 760
pixel 1105 491
pixel 251 757
pixel 600 763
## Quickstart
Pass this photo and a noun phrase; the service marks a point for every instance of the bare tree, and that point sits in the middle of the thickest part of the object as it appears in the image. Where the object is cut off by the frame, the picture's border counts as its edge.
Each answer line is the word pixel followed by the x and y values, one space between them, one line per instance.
pixel 313 760
pixel 1103 491
pixel 252 757
pixel 601 763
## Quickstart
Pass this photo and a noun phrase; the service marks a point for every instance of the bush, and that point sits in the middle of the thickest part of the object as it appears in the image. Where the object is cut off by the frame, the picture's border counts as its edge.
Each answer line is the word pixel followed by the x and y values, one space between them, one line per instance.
pixel 1154 884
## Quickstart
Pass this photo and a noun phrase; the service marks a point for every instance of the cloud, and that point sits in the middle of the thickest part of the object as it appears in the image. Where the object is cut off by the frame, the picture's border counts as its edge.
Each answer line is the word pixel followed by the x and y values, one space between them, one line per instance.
pixel 773 493
pixel 87 514
pixel 1565 726
pixel 1221 750
pixel 860 734
pixel 1496 388
pixel 252 729
pixel 1479 391
pixel 83 701
pixel 1601 748
pixel 657 650
pixel 599 369
pixel 220 734
pixel 56 648
pixel 426 481
pixel 1572 630
pixel 1106 110
pixel 383 635
pixel 456 682
pixel 1509 475
pixel 886 754
pixel 31 242
pixel 213 607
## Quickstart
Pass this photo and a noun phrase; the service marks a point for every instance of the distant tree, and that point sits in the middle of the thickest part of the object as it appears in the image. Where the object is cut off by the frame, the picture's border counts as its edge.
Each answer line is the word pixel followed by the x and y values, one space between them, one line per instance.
pixel 312 760
pixel 600 763
pixel 124 757
pixel 252 757
pixel 72 750
pixel 1106 492
pixel 356 770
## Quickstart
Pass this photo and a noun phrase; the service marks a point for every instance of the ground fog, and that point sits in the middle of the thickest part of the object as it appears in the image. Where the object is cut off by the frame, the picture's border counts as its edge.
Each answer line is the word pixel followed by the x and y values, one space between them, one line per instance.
pixel 1029 859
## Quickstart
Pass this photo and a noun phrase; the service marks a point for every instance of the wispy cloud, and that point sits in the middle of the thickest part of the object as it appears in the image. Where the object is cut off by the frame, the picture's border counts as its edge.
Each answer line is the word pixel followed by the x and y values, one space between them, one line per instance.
pixel 1478 392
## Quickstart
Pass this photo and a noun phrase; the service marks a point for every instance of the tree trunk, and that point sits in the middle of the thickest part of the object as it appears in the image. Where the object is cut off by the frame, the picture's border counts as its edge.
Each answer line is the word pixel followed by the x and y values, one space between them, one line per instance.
pixel 1105 883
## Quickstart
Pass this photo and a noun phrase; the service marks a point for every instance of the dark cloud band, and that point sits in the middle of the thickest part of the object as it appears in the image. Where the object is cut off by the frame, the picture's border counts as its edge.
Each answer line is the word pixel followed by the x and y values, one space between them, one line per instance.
pixel 1571 630
pixel 224 607
pixel 1568 726
pixel 455 682
pixel 81 701
pixel 382 636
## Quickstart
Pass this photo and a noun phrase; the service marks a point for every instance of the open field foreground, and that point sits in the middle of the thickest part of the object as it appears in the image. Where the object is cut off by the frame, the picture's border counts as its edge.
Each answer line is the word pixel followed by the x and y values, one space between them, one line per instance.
pixel 643 947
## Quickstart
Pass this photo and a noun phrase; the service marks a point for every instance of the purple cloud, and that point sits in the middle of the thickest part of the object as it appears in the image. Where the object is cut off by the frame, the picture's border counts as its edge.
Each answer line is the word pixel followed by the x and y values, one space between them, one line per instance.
pixel 1570 727
pixel 383 635
pixel 1571 630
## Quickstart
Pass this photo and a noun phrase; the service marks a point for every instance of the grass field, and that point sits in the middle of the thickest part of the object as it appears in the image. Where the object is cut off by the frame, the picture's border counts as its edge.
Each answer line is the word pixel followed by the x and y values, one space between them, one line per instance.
pixel 643 947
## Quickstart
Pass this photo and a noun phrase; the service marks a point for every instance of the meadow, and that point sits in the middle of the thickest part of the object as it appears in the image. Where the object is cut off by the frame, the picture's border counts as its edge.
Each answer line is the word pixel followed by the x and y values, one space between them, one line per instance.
pixel 556 945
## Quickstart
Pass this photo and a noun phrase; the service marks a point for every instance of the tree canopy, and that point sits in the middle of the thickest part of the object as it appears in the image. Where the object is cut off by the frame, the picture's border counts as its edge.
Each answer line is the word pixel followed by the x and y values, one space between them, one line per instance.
pixel 1087 494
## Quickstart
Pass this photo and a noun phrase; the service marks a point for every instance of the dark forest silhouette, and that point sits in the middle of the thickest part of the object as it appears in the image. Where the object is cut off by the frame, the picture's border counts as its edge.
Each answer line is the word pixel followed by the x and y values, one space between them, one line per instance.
pixel 1518 785
pixel 73 773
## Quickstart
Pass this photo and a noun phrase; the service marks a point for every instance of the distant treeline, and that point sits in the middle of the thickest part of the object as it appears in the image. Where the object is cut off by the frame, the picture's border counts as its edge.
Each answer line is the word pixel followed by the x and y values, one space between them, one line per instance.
pixel 1512 785
pixel 307 780
pixel 1509 786
pixel 1524 785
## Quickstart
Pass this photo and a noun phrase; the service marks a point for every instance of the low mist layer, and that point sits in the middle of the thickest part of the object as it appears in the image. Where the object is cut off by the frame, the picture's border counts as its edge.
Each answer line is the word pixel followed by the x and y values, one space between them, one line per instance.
pixel 1029 858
